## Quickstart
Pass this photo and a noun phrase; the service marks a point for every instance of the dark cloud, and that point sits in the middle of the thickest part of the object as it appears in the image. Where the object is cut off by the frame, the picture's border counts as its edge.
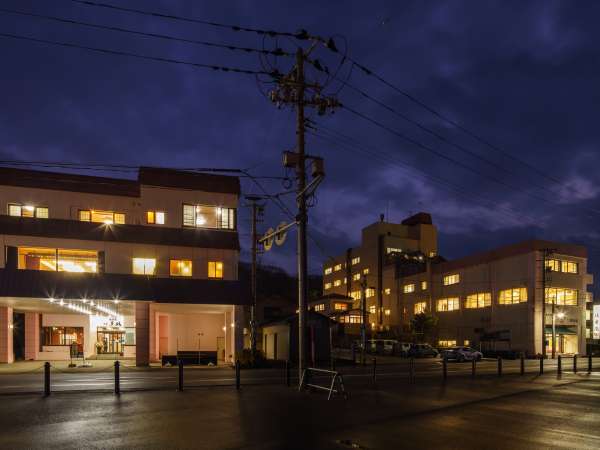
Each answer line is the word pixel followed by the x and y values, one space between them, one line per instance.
pixel 522 74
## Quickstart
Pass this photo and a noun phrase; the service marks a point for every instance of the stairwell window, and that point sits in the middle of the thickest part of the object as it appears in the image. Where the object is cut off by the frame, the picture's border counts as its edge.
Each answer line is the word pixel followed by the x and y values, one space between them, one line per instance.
pixel 180 268
pixel 451 279
pixel 144 266
pixel 448 304
pixel 215 269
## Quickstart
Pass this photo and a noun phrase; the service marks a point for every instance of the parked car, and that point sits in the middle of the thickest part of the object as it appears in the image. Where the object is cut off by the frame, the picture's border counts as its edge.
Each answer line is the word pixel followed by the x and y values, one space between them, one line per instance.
pixel 381 346
pixel 461 354
pixel 402 348
pixel 422 351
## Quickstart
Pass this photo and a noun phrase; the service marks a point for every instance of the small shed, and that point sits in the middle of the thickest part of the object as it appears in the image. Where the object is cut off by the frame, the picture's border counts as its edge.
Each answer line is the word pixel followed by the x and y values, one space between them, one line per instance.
pixel 280 338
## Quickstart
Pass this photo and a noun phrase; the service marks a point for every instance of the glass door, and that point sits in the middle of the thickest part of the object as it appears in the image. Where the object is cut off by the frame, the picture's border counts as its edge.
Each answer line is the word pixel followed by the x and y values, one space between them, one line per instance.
pixel 110 342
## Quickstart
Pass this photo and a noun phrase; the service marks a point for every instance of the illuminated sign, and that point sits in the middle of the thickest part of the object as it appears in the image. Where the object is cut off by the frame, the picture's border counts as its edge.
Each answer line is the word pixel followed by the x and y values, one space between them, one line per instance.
pixel 596 322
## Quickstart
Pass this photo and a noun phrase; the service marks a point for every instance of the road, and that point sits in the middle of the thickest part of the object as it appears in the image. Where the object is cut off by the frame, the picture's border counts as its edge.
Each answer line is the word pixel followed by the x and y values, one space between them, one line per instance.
pixel 132 378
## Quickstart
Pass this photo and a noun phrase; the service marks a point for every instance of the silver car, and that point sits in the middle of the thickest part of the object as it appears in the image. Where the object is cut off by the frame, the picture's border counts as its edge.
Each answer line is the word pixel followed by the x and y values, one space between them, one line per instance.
pixel 461 354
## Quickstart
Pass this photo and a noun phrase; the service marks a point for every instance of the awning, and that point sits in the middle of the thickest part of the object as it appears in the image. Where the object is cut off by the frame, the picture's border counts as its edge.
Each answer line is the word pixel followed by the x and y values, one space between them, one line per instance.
pixel 561 329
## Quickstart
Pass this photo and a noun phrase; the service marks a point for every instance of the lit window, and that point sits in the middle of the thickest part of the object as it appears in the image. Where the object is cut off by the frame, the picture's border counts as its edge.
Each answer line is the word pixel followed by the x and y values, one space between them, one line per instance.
pixel 180 268
pixel 557 265
pixel 393 250
pixel 320 307
pixel 14 210
pixel 387 312
pixel 466 342
pixel 356 276
pixel 561 296
pixel 366 271
pixel 448 304
pixel 107 217
pixel 451 279
pixel 155 217
pixel 144 266
pixel 423 285
pixel 512 296
pixel 447 343
pixel 355 260
pixel 387 291
pixel 215 269
pixel 327 286
pixel 345 280
pixel 432 254
pixel 356 295
pixel 408 288
pixel 61 260
pixel 327 270
pixel 340 306
pixel 351 319
pixel 420 307
pixel 203 216
pixel 372 309
pixel 337 267
pixel 119 218
pixel 337 282
pixel 370 292
pixel 39 212
pixel 479 300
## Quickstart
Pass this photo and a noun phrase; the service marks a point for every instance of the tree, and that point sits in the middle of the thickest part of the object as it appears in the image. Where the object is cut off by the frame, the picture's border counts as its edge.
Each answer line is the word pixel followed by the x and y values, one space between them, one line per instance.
pixel 423 327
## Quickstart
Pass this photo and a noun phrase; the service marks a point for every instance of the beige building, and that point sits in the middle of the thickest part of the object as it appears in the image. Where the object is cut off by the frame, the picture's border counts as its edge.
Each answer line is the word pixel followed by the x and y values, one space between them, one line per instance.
pixel 491 299
pixel 139 268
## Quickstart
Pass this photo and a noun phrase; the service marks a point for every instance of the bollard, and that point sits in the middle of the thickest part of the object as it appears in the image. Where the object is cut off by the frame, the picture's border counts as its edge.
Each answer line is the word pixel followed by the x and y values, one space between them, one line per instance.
pixel 237 374
pixel 541 365
pixel 522 364
pixel 473 362
pixel 287 373
pixel 46 379
pixel 445 367
pixel 559 366
pixel 499 366
pixel 180 384
pixel 411 369
pixel 117 379
pixel 353 354
pixel 574 363
pixel 589 363
pixel 374 370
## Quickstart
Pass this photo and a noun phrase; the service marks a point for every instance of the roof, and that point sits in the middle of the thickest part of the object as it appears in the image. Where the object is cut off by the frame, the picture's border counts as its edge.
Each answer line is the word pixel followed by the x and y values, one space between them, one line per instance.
pixel 508 251
pixel 421 218
pixel 149 176
pixel 333 296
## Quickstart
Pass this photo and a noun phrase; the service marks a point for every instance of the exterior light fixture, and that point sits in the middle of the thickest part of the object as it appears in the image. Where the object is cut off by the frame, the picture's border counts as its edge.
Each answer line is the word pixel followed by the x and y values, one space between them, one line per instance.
pixel 29 208
pixel 51 300
pixel 560 315
pixel 232 324
pixel 224 328
pixel 116 301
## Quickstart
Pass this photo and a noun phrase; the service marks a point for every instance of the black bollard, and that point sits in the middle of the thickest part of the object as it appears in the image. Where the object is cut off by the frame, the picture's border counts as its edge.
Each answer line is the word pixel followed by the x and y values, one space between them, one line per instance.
pixel 117 378
pixel 180 384
pixel 522 364
pixel 374 370
pixel 499 366
pixel 411 369
pixel 46 379
pixel 574 363
pixel 287 374
pixel 445 367
pixel 559 365
pixel 541 365
pixel 590 363
pixel 473 363
pixel 237 374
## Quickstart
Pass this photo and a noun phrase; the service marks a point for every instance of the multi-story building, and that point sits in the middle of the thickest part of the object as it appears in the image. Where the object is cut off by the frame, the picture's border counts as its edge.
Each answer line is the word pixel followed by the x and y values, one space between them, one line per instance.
pixel 592 332
pixel 491 299
pixel 135 268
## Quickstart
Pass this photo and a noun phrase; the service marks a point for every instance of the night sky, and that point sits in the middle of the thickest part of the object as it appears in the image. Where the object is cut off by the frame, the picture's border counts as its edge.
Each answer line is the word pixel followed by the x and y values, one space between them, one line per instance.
pixel 522 75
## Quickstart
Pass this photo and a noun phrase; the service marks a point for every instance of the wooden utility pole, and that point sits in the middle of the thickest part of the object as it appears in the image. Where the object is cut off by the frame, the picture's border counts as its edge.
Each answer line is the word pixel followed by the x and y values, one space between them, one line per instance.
pixel 363 324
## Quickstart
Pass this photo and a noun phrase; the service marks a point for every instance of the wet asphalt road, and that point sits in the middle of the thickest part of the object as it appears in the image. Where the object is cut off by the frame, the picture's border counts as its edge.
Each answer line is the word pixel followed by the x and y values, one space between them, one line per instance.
pixel 488 411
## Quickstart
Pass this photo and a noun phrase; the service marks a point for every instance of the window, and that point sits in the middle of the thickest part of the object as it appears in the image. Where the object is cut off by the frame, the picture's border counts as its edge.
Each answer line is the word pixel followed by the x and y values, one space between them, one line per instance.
pixel 202 216
pixel 16 210
pixel 561 296
pixel 62 336
pixel 57 260
pixel 451 279
pixel 423 285
pixel 215 269
pixel 387 291
pixel 327 286
pixel 144 266
pixel 337 267
pixel 156 217
pixel 466 342
pixel 366 271
pixel 351 319
pixel 327 270
pixel 448 304
pixel 320 307
pixel 337 282
pixel 372 309
pixel 340 306
pixel 557 265
pixel 408 288
pixel 355 260
pixel 387 312
pixel 393 250
pixel 512 296
pixel 356 276
pixel 107 217
pixel 447 343
pixel 370 292
pixel 356 295
pixel 420 307
pixel 479 300
pixel 180 268
pixel 345 280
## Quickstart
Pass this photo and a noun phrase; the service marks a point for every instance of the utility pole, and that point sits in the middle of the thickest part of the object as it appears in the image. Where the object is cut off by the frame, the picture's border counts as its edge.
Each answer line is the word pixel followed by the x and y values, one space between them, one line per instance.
pixel 363 313
pixel 545 253
pixel 257 209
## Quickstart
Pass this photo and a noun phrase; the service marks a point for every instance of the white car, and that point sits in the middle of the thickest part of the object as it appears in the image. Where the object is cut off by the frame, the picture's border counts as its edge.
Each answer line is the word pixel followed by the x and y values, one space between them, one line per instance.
pixel 461 354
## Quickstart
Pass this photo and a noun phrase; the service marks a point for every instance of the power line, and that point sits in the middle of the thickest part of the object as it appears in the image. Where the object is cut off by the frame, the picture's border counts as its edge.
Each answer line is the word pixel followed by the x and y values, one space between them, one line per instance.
pixel 444 156
pixel 301 34
pixel 144 57
pixel 276 52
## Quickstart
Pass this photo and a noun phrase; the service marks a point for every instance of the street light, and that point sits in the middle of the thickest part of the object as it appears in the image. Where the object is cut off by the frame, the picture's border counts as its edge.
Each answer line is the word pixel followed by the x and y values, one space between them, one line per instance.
pixel 560 315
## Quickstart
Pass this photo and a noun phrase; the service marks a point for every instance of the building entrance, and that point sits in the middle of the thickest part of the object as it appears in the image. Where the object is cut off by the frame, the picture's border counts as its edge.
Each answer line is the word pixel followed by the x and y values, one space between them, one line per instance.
pixel 110 341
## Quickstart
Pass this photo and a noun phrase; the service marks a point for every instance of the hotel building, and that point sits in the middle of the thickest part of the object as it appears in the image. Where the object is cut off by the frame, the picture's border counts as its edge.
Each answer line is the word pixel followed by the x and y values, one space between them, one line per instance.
pixel 491 300
pixel 106 267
